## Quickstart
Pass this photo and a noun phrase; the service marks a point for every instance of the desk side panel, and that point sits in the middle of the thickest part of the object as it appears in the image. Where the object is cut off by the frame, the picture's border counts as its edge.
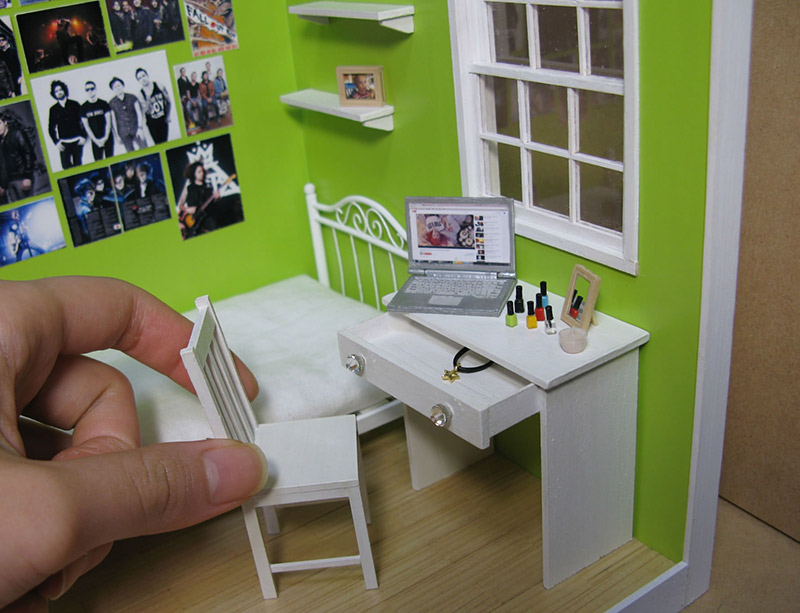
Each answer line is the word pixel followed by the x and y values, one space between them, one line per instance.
pixel 588 466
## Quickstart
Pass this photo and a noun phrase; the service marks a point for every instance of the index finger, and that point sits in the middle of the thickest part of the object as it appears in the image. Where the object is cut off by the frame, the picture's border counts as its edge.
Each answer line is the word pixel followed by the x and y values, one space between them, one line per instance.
pixel 45 318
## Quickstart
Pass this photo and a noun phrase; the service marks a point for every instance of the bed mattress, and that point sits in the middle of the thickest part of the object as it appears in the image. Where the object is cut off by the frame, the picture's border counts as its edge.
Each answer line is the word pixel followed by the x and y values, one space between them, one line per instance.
pixel 286 333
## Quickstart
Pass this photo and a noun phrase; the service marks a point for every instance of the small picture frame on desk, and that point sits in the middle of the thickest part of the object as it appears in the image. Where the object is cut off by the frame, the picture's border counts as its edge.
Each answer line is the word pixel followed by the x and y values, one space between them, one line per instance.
pixel 360 85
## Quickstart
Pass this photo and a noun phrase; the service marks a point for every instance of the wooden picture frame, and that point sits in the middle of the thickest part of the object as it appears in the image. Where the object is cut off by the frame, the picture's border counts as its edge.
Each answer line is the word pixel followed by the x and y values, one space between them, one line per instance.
pixel 360 85
pixel 582 316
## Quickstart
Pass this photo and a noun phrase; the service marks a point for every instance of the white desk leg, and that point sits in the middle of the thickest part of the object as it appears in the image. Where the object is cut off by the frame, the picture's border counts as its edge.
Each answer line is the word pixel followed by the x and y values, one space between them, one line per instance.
pixel 434 453
pixel 588 462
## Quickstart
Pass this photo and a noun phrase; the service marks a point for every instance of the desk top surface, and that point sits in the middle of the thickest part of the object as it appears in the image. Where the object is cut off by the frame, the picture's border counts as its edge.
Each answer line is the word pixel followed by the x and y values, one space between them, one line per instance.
pixel 533 354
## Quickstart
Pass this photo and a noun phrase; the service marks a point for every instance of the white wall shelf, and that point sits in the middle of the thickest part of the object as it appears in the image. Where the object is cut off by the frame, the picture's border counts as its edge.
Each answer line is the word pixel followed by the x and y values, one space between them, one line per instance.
pixel 398 17
pixel 378 118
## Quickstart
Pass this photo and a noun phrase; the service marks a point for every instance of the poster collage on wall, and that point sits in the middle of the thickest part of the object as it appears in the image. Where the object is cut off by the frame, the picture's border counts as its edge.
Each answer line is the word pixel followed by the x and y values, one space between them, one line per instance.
pixel 89 84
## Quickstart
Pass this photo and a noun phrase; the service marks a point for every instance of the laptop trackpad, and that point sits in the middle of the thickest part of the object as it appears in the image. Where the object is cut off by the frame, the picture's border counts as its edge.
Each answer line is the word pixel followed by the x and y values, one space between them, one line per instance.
pixel 444 300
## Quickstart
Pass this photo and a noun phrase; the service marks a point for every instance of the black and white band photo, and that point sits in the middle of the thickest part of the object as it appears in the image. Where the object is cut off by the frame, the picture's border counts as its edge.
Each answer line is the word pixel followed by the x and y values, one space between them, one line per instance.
pixel 107 110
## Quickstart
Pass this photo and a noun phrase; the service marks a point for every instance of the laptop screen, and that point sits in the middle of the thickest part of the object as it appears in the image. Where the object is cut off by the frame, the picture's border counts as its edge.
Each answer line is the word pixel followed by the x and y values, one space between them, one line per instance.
pixel 471 234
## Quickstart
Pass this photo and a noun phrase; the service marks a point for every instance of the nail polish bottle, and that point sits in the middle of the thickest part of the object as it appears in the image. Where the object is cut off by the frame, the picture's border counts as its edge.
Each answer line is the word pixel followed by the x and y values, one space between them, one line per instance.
pixel 519 302
pixel 511 316
pixel 543 290
pixel 531 320
pixel 539 308
pixel 549 324
pixel 574 309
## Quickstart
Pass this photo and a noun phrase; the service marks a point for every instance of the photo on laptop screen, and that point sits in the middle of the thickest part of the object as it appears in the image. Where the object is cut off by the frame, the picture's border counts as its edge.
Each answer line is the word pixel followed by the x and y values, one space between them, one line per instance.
pixel 459 233
pixel 461 256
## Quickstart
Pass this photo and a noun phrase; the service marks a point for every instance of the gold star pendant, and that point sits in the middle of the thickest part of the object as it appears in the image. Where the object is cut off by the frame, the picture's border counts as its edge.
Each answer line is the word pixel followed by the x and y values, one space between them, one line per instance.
pixel 451 375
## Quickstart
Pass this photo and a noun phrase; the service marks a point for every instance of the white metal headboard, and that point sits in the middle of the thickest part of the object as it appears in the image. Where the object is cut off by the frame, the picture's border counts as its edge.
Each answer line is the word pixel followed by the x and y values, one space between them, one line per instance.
pixel 361 219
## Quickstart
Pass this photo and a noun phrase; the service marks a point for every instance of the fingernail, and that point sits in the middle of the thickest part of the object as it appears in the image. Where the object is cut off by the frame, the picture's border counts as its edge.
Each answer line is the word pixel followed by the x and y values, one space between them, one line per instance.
pixel 235 472
pixel 53 587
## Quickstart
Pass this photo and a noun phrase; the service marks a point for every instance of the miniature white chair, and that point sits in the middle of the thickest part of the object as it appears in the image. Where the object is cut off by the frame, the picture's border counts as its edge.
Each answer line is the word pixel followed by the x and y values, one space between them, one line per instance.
pixel 309 460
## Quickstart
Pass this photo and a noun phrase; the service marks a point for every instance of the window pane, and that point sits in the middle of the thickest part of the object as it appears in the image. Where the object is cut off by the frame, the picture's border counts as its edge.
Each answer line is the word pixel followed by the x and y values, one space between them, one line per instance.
pixel 501 111
pixel 510 33
pixel 558 37
pixel 549 115
pixel 550 183
pixel 505 177
pixel 602 125
pixel 605 27
pixel 601 197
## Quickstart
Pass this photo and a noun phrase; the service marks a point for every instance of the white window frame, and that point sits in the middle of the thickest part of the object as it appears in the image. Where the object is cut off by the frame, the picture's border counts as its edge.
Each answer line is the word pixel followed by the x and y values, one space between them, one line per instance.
pixel 471 40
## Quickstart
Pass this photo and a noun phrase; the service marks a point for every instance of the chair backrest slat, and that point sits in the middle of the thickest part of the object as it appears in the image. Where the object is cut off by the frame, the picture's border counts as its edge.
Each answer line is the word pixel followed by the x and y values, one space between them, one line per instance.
pixel 211 368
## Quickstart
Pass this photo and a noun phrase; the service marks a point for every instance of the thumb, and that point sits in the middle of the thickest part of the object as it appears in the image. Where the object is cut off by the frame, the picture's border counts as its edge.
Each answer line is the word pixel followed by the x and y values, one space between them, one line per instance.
pixel 62 515
pixel 160 488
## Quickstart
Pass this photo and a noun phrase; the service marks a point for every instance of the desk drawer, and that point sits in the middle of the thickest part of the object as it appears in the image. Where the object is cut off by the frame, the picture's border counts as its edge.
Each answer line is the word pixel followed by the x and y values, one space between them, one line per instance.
pixel 407 360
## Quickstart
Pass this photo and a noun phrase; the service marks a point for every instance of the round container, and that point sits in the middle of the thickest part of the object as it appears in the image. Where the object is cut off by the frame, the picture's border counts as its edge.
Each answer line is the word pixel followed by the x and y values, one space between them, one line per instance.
pixel 573 340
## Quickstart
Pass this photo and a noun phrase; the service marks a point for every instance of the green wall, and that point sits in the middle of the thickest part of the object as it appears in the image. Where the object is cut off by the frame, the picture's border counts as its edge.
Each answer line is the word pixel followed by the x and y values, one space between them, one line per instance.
pixel 279 148
pixel 420 157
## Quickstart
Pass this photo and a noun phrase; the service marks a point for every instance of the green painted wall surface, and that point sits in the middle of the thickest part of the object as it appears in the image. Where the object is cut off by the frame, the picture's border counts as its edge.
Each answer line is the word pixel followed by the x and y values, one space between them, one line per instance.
pixel 270 161
pixel 421 157
pixel 279 148
pixel 675 51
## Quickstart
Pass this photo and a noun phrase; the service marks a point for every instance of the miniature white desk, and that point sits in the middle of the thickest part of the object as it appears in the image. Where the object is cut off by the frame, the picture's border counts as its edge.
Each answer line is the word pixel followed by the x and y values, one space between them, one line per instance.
pixel 586 402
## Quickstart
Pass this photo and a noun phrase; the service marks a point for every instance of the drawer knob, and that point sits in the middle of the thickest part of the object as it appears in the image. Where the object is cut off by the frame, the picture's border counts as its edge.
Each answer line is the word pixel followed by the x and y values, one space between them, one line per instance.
pixel 355 364
pixel 441 415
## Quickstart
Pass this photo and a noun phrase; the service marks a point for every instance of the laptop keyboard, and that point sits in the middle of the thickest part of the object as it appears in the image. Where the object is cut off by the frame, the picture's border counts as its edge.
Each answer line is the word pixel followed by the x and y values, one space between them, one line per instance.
pixel 477 288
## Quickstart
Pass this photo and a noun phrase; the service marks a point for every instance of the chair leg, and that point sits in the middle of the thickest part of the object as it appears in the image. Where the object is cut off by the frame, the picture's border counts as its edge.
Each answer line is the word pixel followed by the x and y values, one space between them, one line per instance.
pixel 362 483
pixel 271 520
pixel 259 552
pixel 362 538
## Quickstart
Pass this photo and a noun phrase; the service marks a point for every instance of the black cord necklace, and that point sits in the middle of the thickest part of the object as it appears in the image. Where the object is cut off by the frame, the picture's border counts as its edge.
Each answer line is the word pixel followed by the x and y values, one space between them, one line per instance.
pixel 452 375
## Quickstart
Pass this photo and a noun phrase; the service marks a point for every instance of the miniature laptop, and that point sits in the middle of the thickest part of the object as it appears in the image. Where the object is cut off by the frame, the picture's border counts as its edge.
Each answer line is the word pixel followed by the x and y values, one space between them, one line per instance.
pixel 460 256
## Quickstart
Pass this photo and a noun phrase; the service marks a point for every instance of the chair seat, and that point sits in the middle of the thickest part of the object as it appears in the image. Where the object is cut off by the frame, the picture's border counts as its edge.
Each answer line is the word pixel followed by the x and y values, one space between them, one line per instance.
pixel 309 455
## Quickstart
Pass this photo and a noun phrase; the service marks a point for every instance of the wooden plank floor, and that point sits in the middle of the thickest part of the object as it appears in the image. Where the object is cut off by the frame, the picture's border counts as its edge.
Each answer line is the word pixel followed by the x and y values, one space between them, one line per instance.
pixel 471 542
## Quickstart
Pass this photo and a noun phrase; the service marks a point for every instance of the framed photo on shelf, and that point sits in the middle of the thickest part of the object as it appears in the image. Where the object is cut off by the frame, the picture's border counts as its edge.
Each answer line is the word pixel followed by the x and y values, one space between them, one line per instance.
pixel 360 85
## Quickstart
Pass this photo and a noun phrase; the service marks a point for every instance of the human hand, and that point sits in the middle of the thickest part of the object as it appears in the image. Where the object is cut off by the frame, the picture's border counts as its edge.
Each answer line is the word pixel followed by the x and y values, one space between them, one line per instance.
pixel 65 499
